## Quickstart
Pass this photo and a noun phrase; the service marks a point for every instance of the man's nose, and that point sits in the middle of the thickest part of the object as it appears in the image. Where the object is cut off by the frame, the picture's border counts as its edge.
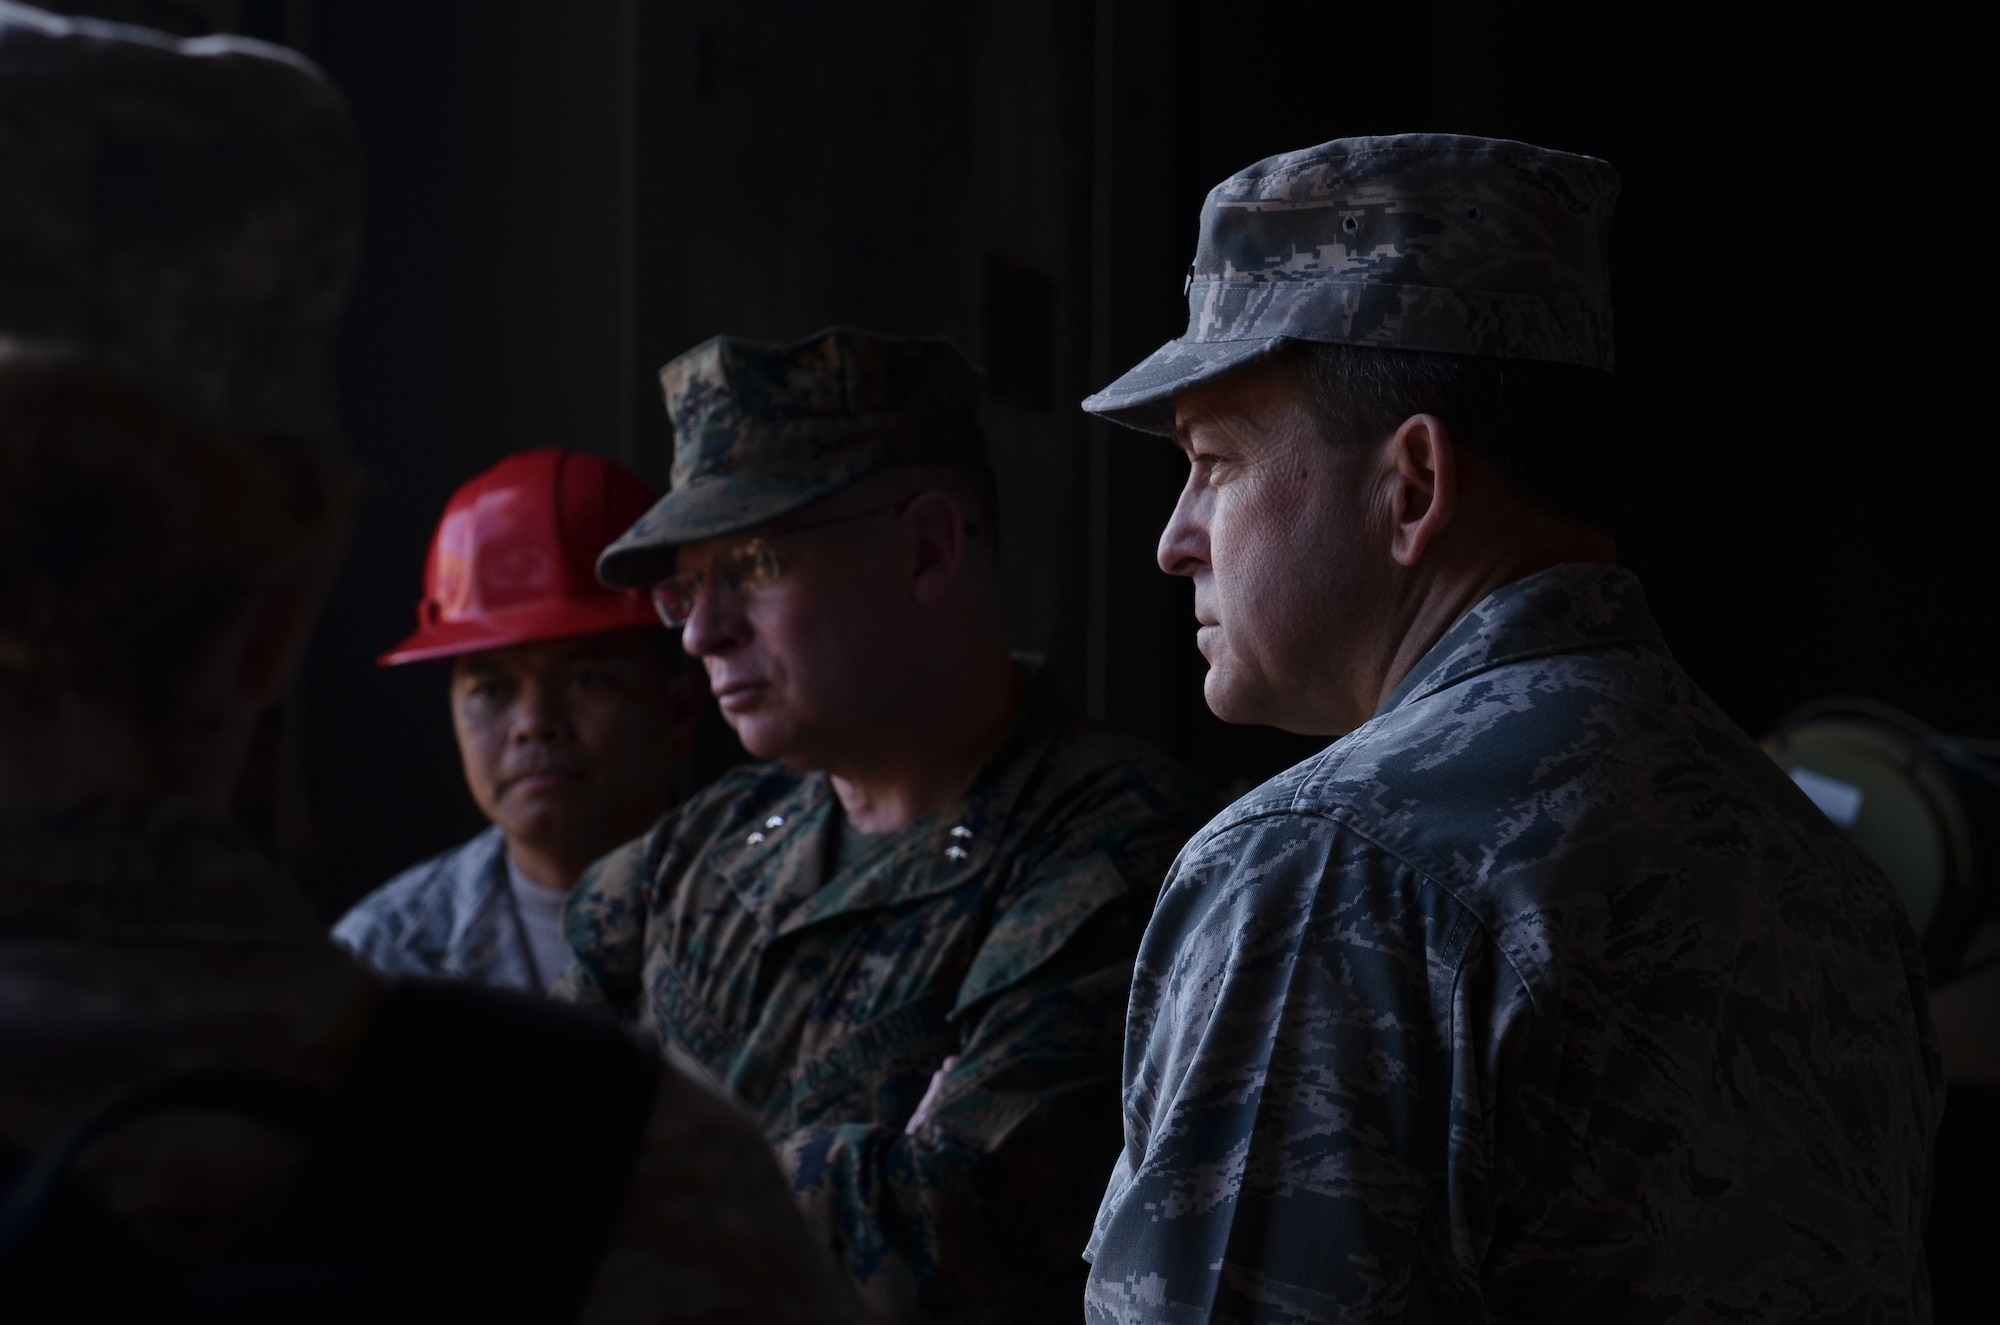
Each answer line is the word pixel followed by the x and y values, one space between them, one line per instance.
pixel 538 715
pixel 716 626
pixel 1184 542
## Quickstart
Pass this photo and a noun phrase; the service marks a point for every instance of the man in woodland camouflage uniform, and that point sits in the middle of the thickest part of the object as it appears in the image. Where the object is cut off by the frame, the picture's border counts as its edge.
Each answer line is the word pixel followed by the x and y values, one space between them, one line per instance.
pixel 1541 994
pixel 298 1141
pixel 905 944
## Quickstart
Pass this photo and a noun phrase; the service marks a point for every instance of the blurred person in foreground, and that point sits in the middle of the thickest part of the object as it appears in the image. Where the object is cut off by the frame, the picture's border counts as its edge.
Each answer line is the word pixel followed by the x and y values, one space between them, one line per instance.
pixel 904 943
pixel 207 1111
pixel 1541 994
pixel 574 709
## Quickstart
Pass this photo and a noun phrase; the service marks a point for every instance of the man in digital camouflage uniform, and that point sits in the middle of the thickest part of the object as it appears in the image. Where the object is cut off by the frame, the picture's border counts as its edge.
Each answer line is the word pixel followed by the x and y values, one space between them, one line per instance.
pixel 905 944
pixel 1540 994
pixel 574 712
pixel 178 225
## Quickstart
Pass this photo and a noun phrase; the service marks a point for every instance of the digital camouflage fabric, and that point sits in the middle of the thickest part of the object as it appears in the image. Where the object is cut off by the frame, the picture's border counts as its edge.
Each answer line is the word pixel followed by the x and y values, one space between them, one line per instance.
pixel 998 932
pixel 452 917
pixel 1542 996
pixel 189 211
pixel 1416 241
pixel 138 945
pixel 761 430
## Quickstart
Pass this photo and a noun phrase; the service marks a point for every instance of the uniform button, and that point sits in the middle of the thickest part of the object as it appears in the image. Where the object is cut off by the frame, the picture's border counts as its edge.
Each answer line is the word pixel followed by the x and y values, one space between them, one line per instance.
pixel 775 821
pixel 955 852
pixel 755 839
pixel 960 830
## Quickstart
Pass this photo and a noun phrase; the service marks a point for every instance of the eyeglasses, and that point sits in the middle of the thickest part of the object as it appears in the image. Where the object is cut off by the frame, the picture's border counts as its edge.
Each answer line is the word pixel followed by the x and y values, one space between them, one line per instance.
pixel 752 565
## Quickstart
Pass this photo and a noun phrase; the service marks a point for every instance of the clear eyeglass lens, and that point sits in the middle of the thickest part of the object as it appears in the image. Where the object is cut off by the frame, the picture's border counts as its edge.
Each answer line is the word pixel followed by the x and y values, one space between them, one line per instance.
pixel 753 566
pixel 673 599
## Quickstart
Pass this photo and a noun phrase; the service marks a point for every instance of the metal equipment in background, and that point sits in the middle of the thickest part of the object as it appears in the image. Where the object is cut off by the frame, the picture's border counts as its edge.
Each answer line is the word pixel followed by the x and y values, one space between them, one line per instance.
pixel 1924 806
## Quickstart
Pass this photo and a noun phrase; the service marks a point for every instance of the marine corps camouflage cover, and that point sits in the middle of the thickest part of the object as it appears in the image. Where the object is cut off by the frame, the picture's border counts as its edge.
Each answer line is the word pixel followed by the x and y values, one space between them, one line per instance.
pixel 1416 241
pixel 760 430
pixel 1542 996
pixel 999 933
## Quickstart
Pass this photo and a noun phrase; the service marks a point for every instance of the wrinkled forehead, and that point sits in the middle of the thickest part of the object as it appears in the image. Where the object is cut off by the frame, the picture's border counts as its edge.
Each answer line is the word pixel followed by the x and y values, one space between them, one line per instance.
pixel 1258 405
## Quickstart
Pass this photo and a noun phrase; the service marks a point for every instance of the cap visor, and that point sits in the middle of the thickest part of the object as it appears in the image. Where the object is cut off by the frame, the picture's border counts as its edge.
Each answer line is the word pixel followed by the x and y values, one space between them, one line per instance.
pixel 1144 397
pixel 710 508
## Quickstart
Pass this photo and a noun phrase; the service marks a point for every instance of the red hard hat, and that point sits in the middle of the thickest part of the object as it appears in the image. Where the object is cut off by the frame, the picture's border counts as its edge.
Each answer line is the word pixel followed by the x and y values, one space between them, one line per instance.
pixel 514 559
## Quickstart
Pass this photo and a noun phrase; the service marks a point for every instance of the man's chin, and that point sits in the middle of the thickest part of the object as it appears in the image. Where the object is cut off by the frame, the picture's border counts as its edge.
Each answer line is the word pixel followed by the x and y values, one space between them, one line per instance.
pixel 538 827
pixel 1232 701
pixel 542 810
pixel 1243 702
pixel 763 738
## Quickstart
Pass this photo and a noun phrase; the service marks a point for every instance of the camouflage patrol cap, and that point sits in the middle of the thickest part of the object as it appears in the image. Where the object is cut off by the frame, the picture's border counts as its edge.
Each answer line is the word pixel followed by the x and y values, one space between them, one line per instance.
pixel 188 211
pixel 761 430
pixel 1419 241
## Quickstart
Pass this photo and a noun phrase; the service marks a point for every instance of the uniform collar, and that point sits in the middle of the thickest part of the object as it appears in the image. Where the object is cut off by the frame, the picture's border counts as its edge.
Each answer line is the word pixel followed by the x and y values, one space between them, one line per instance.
pixel 1565 608
pixel 776 860
pixel 478 876
pixel 486 925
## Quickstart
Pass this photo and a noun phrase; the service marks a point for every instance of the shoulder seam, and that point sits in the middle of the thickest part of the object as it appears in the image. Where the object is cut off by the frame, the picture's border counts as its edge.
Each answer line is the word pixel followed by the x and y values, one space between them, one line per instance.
pixel 1335 816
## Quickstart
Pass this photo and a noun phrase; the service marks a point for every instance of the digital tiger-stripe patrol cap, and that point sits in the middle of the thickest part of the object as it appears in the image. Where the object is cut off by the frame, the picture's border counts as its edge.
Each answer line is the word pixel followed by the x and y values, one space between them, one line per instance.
pixel 1422 241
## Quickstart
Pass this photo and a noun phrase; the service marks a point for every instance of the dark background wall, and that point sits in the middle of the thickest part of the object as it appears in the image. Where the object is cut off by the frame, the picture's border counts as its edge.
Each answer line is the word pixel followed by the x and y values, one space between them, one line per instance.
pixel 565 195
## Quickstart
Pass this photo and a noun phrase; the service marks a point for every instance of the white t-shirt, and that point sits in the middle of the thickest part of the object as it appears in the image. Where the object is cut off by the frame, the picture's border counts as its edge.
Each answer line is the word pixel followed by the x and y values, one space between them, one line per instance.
pixel 541 912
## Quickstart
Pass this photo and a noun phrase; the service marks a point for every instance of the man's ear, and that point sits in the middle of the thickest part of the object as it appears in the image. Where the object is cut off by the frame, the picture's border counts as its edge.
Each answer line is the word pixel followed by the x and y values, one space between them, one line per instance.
pixel 937 527
pixel 1423 477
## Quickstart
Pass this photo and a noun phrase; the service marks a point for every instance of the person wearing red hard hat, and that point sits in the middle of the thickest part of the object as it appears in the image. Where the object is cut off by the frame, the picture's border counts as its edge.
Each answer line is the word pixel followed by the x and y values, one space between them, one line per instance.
pixel 573 710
